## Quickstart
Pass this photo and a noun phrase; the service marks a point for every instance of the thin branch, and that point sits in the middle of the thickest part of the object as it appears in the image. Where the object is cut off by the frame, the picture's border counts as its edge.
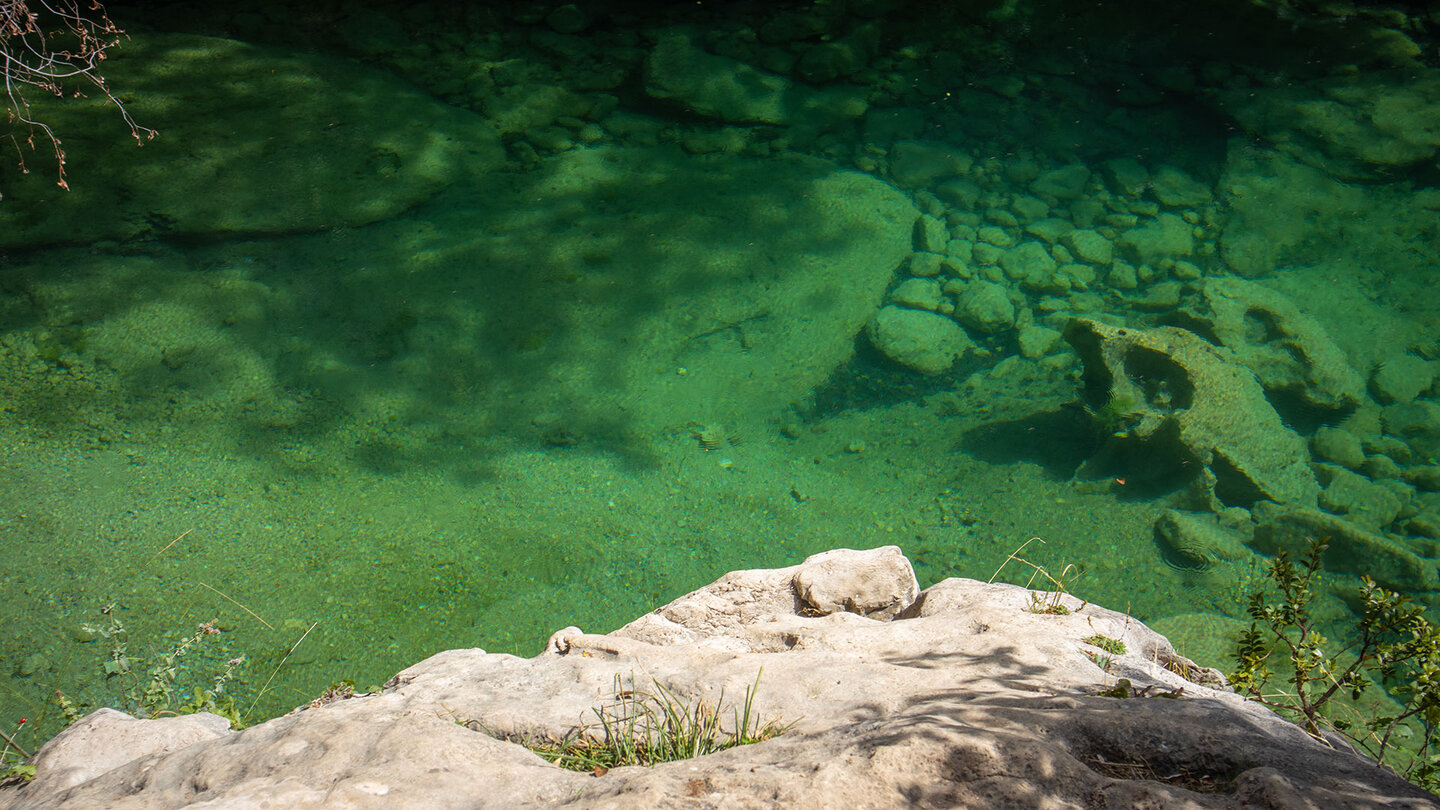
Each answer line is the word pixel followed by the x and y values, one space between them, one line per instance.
pixel 31 57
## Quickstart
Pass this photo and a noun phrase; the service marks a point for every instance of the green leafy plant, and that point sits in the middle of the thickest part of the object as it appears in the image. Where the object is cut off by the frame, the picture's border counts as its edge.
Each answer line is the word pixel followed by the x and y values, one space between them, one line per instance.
pixel 1102 661
pixel 16 773
pixel 1046 602
pixel 13 767
pixel 1394 646
pixel 648 728
pixel 166 688
pixel 1120 690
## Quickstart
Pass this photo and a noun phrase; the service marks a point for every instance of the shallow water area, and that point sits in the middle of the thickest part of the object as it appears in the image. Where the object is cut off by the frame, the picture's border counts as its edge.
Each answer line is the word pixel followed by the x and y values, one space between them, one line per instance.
pixel 572 337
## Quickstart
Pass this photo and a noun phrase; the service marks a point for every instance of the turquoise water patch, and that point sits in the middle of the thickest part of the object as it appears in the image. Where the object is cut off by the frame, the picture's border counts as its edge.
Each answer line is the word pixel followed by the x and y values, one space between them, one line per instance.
pixel 533 329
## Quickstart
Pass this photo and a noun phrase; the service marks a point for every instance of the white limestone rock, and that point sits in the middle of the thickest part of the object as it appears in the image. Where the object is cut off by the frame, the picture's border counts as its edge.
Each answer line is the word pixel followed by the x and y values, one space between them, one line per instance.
pixel 964 698
pixel 106 739
pixel 876 584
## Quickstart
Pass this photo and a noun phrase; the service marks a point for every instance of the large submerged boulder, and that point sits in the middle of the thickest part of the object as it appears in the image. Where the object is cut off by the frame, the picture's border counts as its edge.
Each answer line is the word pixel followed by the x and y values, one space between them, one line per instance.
pixel 955 696
pixel 1191 408
pixel 1283 212
pixel 1365 126
pixel 1352 549
pixel 681 72
pixel 924 341
pixel 1289 351
pixel 250 140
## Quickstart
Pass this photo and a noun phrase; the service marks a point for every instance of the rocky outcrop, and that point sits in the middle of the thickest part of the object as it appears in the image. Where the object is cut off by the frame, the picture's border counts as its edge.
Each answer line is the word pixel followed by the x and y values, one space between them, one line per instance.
pixel 1194 410
pixel 957 696
pixel 1288 350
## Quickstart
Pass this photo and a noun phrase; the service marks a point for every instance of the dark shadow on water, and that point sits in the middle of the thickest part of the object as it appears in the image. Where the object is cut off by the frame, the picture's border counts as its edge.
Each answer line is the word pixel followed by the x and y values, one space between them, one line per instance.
pixel 1059 441
pixel 1300 415
pixel 470 323
pixel 872 380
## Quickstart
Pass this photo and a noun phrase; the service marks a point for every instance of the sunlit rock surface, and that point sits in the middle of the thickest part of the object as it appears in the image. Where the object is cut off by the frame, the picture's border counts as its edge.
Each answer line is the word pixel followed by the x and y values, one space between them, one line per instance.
pixel 966 698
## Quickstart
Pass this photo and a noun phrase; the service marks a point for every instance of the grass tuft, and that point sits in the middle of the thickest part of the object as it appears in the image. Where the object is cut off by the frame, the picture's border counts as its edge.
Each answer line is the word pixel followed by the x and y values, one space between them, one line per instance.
pixel 649 728
pixel 1114 646
pixel 1045 602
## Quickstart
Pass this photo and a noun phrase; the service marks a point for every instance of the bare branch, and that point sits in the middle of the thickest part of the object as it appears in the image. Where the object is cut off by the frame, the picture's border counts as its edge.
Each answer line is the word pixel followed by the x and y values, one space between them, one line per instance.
pixel 52 46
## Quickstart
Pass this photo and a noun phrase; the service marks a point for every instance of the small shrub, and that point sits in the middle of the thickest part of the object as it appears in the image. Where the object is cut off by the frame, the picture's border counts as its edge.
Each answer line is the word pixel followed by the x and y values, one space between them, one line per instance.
pixel 1396 647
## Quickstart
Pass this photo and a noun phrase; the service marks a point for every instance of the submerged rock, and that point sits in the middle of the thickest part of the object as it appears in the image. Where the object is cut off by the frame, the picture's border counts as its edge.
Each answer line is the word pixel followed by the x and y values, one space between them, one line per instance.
pixel 1402 378
pixel 986 307
pixel 1367 126
pixel 1289 351
pixel 1339 446
pixel 1199 541
pixel 1352 548
pixel 917 164
pixel 1166 237
pixel 965 698
pixel 1283 211
pixel 1174 188
pixel 1417 424
pixel 1361 500
pixel 679 71
pixel 251 140
pixel 1191 406
pixel 924 341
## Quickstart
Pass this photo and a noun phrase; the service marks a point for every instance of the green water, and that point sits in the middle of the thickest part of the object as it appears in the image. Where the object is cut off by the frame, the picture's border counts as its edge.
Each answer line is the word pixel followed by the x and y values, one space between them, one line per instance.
pixel 508 345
